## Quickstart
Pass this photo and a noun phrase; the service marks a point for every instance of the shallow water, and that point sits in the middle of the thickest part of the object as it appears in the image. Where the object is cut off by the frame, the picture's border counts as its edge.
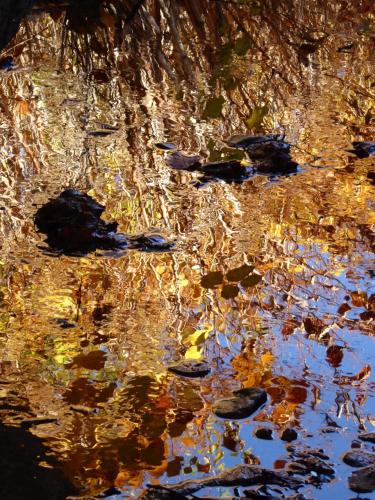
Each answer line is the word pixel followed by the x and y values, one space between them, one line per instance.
pixel 121 419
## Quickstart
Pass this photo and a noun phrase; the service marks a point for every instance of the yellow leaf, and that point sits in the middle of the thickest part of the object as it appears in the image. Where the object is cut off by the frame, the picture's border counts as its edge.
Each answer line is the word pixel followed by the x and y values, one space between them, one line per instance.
pixel 199 336
pixel 193 352
pixel 266 358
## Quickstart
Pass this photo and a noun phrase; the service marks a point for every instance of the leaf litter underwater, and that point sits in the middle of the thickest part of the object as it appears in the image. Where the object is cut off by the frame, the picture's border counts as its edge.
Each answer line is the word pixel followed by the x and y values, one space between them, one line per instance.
pixel 163 341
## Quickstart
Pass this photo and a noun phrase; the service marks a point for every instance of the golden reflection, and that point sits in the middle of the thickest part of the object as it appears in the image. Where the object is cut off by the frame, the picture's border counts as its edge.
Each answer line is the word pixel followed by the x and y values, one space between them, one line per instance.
pixel 269 279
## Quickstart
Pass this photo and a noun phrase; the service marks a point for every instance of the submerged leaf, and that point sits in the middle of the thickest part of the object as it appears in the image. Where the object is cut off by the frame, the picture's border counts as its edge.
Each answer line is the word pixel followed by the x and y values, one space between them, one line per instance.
pixel 251 280
pixel 211 280
pixel 229 291
pixel 239 273
pixel 256 117
pixel 213 107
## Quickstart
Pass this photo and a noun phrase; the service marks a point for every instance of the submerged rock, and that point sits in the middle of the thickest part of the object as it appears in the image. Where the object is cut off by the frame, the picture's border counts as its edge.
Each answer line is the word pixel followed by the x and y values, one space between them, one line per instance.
pixel 225 170
pixel 363 149
pixel 241 475
pixel 7 63
pixel 249 141
pixel 243 403
pixel 270 153
pixel 179 161
pixel 151 242
pixel 190 368
pixel 367 436
pixel 358 458
pixel 289 435
pixel 363 480
pixel 264 433
pixel 73 224
pixel 307 460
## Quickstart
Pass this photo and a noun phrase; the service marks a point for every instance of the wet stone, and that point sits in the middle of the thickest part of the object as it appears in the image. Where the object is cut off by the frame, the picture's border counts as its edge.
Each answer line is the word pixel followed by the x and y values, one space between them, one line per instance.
pixel 166 146
pixel 226 170
pixel 363 149
pixel 7 63
pixel 73 225
pixel 263 433
pixel 64 323
pixel 289 435
pixel 367 436
pixel 363 480
pixel 151 242
pixel 359 458
pixel 243 403
pixel 190 368
pixel 249 141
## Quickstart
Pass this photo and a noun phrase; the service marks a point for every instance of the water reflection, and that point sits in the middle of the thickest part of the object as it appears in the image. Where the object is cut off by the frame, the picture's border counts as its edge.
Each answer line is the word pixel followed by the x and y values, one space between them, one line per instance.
pixel 269 281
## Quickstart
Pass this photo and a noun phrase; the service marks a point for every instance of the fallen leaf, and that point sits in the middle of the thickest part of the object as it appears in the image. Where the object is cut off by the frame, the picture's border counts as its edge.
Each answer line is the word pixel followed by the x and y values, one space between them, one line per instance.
pixel 212 279
pixel 229 291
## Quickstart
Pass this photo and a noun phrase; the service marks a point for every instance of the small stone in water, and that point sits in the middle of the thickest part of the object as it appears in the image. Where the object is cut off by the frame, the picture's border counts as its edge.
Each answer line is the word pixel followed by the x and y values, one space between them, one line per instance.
pixel 243 403
pixel 263 433
pixel 363 480
pixel 359 458
pixel 289 435
pixel 190 368
pixel 367 436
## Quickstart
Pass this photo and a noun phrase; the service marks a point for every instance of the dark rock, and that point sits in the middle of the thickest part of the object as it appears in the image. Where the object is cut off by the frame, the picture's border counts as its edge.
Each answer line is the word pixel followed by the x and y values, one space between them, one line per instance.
pixel 11 14
pixel 64 323
pixel 157 492
pixel 270 153
pixel 248 141
pixel 7 63
pixel 307 460
pixel 255 494
pixel 367 436
pixel 190 368
pixel 21 476
pixel 371 176
pixel 241 475
pixel 73 225
pixel 263 433
pixel 243 403
pixel 109 492
pixel 30 422
pixel 363 149
pixel 151 242
pixel 363 480
pixel 179 161
pixel 289 435
pixel 166 146
pixel 232 170
pixel 358 458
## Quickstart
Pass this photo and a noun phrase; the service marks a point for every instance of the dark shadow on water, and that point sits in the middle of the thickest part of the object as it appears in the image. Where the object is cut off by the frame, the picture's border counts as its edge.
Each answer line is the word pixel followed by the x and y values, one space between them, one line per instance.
pixel 21 476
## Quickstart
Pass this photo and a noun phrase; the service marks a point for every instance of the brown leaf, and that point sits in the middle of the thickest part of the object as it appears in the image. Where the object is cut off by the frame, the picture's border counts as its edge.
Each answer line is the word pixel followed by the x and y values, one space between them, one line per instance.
pixel 212 279
pixel 313 325
pixel 343 308
pixel 229 291
pixel 251 280
pixel 358 299
pixel 334 355
pixel 361 375
pixel 296 395
pixel 239 273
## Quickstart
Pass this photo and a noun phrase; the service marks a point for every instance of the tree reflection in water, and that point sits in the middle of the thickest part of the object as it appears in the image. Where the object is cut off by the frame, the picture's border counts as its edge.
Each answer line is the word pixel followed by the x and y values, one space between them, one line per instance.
pixel 270 280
